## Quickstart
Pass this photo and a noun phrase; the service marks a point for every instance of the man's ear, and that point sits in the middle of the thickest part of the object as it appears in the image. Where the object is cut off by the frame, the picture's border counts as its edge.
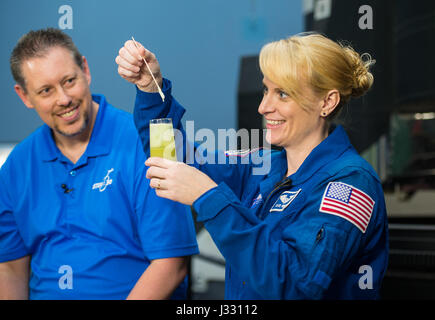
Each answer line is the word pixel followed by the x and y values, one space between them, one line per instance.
pixel 86 70
pixel 23 96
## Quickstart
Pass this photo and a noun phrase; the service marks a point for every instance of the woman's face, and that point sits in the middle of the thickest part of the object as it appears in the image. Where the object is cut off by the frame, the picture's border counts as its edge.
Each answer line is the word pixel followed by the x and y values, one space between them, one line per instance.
pixel 288 125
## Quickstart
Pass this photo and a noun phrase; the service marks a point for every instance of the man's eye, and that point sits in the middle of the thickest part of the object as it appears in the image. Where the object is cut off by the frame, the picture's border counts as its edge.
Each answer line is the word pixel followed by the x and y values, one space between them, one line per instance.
pixel 44 91
pixel 70 81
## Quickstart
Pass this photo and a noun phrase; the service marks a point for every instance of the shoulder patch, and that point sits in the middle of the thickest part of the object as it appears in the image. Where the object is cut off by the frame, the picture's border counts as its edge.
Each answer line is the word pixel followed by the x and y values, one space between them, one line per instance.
pixel 349 203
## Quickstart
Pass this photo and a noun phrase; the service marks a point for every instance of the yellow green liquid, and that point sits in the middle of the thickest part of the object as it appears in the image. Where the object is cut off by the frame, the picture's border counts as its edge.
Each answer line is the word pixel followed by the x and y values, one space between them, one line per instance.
pixel 162 142
pixel 167 152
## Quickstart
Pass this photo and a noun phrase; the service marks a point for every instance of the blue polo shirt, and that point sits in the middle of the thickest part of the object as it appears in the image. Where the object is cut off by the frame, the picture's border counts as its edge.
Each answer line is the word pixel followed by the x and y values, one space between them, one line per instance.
pixel 92 227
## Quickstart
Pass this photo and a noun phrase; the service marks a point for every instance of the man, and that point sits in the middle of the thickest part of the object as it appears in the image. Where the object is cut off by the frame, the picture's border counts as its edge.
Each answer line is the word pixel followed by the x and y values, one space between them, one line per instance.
pixel 75 206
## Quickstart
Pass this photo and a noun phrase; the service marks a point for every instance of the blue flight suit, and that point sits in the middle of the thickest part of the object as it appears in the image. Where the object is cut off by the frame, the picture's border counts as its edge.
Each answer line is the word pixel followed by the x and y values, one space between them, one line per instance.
pixel 320 233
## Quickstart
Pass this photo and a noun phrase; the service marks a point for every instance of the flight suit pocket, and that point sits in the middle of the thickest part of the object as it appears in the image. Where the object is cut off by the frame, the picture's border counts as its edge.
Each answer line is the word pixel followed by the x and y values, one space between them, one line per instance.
pixel 325 255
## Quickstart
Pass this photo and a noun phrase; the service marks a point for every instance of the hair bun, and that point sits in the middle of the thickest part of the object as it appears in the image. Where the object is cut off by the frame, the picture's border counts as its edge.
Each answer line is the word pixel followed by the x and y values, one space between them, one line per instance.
pixel 362 77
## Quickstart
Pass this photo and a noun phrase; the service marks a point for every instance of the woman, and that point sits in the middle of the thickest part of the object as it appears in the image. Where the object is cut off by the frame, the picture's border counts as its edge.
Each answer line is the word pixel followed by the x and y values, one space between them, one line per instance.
pixel 315 226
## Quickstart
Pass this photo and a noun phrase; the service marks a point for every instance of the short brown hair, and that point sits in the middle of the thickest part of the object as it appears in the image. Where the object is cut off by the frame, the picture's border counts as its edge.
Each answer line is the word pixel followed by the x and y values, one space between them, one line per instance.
pixel 36 43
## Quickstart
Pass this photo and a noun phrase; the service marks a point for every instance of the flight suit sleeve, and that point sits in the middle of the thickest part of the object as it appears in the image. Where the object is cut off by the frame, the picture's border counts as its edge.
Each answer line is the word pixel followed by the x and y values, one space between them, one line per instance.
pixel 298 259
pixel 215 163
pixel 11 244
pixel 150 106
pixel 346 224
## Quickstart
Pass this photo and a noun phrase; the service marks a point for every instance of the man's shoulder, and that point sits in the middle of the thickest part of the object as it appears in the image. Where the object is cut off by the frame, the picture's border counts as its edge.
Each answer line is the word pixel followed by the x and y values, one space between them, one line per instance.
pixel 119 126
pixel 22 149
pixel 25 153
pixel 119 117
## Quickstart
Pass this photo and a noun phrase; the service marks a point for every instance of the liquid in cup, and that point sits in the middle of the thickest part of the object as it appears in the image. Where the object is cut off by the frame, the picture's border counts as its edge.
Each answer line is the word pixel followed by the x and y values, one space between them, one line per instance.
pixel 162 142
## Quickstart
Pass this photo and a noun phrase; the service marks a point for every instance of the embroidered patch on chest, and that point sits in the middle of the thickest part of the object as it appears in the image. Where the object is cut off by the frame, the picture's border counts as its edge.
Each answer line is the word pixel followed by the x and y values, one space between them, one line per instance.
pixel 284 200
pixel 106 181
pixel 257 201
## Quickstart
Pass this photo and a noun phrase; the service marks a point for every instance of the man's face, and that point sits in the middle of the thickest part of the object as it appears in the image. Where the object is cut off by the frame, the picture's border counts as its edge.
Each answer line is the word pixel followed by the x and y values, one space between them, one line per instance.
pixel 58 90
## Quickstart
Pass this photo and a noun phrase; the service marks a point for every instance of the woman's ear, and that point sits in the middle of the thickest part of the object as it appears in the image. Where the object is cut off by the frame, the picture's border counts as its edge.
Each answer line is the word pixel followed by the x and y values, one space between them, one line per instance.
pixel 330 102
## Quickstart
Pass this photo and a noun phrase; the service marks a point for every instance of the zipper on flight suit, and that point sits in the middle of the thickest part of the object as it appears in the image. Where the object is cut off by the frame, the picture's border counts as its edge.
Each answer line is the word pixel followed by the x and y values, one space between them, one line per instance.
pixel 283 183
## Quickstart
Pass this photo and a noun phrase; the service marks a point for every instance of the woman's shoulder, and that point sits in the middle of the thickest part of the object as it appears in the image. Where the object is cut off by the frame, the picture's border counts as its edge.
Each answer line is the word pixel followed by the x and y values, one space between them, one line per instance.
pixel 351 168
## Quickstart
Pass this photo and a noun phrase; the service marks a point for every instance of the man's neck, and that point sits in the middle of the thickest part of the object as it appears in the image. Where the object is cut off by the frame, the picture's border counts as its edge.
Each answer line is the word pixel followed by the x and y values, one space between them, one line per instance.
pixel 74 147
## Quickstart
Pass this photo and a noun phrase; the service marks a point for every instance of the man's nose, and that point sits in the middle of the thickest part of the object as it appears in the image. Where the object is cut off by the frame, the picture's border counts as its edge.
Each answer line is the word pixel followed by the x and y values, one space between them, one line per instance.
pixel 63 98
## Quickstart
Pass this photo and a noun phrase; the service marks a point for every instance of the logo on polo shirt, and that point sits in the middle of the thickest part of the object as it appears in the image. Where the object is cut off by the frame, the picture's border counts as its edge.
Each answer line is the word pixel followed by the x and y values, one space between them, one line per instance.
pixel 106 181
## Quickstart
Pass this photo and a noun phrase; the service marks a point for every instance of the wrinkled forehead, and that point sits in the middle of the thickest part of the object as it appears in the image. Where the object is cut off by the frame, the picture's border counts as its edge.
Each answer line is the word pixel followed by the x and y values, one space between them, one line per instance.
pixel 49 66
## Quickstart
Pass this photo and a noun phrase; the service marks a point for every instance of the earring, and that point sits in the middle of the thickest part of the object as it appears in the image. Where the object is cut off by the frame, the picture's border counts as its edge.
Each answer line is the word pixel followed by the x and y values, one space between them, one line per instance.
pixel 324 114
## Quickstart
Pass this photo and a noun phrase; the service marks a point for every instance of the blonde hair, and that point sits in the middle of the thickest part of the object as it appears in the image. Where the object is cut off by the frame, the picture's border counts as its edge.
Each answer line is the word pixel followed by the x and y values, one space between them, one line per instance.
pixel 316 63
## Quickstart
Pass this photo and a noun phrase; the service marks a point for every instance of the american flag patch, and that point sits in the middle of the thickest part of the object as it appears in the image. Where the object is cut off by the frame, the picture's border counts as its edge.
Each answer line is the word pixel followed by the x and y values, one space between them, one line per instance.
pixel 348 202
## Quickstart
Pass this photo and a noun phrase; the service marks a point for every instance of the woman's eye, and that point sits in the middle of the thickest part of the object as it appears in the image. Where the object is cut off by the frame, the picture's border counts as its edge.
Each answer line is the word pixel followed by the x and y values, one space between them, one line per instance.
pixel 264 90
pixel 283 95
